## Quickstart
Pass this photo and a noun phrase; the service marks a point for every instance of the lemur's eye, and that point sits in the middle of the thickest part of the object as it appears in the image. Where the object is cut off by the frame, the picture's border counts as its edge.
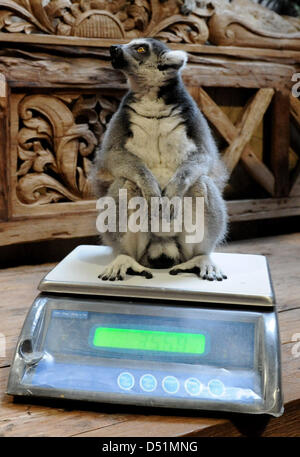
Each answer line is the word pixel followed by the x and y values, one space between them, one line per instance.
pixel 141 49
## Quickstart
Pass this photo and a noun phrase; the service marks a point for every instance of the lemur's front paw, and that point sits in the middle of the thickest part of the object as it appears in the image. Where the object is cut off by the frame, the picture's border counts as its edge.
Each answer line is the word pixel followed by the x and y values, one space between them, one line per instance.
pixel 152 190
pixel 122 265
pixel 173 204
pixel 202 266
pixel 171 190
pixel 151 193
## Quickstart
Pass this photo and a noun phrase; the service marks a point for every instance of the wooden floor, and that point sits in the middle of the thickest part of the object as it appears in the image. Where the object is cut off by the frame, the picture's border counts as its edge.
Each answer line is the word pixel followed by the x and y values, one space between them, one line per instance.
pixel 49 418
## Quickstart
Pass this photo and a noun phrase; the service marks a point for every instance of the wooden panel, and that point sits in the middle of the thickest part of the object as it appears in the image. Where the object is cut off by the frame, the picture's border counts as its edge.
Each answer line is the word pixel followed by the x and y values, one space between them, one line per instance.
pixel 251 118
pixel 83 222
pixel 295 109
pixel 229 132
pixel 38 70
pixel 267 208
pixel 39 183
pixel 98 44
pixel 53 140
pixel 295 192
pixel 295 178
pixel 61 225
pixel 64 67
pixel 215 72
pixel 3 145
pixel 280 142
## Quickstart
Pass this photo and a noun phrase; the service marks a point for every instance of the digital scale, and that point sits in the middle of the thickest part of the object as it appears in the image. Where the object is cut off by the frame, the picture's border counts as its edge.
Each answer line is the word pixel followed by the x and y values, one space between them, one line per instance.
pixel 170 341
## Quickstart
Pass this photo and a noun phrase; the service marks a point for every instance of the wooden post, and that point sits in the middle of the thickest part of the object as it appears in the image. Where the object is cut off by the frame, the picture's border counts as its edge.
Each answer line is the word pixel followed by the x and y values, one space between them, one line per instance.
pixel 280 142
pixel 251 118
pixel 3 146
pixel 255 167
pixel 295 144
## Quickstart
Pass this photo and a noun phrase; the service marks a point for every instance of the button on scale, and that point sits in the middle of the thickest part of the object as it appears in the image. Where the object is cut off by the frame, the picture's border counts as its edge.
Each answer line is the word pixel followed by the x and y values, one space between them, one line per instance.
pixel 193 386
pixel 170 384
pixel 125 381
pixel 148 383
pixel 216 387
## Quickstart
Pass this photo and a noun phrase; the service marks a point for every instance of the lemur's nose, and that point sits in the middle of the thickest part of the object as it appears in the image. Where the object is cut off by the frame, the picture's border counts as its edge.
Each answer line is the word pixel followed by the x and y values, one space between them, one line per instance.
pixel 115 51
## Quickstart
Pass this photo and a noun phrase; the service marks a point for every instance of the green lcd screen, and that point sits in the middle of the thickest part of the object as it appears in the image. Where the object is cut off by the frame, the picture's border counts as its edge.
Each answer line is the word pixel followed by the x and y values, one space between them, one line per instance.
pixel 148 340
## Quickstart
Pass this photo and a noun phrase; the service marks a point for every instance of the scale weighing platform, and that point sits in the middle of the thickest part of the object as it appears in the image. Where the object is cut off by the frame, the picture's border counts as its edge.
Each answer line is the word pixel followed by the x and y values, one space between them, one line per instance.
pixel 170 341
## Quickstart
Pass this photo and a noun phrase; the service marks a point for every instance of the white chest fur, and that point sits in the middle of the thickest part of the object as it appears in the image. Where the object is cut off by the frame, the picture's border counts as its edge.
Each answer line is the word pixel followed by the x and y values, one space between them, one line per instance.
pixel 159 137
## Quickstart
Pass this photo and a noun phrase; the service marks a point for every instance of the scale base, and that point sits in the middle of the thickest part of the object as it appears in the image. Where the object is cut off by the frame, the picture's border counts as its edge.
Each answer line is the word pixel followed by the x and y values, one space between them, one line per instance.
pixel 236 368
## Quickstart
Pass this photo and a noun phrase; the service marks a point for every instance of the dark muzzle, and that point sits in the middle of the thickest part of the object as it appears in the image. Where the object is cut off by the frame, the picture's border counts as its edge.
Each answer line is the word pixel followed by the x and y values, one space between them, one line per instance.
pixel 117 56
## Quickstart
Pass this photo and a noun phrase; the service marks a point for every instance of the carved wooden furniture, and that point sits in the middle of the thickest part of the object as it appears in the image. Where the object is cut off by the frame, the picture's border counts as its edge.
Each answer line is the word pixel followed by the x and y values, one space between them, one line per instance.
pixel 58 92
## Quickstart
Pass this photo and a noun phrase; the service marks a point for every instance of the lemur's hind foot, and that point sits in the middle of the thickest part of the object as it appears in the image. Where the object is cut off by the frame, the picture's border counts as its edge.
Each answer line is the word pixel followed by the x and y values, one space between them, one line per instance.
pixel 202 266
pixel 122 265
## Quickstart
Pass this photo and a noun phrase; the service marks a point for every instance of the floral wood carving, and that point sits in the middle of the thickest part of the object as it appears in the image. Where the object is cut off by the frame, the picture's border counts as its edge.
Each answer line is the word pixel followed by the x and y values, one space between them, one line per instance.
pixel 235 23
pixel 104 19
pixel 243 23
pixel 56 141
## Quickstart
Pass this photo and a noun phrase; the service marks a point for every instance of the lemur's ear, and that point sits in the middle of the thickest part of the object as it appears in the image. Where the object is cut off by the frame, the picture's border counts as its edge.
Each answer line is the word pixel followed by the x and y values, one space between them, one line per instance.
pixel 173 60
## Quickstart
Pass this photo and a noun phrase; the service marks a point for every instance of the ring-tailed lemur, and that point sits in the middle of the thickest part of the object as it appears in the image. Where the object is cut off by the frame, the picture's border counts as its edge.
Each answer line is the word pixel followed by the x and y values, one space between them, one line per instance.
pixel 159 144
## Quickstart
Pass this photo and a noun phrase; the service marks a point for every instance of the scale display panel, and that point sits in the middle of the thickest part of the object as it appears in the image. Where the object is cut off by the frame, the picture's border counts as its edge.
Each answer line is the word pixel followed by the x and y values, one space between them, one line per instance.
pixel 140 353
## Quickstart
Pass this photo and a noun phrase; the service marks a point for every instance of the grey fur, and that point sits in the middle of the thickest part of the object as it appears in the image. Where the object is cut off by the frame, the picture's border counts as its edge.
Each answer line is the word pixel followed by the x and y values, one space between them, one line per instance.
pixel 159 144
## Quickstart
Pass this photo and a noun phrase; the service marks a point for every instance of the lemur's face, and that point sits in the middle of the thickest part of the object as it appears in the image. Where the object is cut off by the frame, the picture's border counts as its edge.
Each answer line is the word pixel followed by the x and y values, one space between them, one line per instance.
pixel 147 61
